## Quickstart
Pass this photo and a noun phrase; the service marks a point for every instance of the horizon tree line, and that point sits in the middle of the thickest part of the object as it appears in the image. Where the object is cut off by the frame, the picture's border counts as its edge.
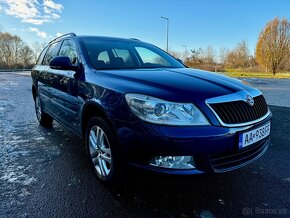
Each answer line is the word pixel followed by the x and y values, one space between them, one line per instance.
pixel 272 52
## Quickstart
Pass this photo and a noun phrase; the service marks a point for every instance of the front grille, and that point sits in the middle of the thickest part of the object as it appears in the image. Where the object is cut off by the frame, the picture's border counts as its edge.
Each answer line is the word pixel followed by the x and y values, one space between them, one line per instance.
pixel 229 161
pixel 237 112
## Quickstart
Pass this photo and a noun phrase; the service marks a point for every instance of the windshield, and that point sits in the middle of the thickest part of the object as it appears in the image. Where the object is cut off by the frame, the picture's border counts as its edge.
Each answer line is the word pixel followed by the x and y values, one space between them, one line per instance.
pixel 114 54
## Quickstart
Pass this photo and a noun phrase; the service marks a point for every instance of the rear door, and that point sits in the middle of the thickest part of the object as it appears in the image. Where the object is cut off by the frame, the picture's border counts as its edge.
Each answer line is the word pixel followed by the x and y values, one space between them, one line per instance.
pixel 47 80
pixel 59 88
pixel 67 91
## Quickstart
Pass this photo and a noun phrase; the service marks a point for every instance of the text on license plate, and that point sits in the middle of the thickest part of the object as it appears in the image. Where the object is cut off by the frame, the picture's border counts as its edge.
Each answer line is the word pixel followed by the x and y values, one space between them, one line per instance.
pixel 248 138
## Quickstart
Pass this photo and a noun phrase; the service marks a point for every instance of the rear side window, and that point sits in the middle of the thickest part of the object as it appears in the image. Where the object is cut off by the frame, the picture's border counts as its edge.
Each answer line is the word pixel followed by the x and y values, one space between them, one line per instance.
pixel 69 49
pixel 125 55
pixel 115 58
pixel 103 56
pixel 51 52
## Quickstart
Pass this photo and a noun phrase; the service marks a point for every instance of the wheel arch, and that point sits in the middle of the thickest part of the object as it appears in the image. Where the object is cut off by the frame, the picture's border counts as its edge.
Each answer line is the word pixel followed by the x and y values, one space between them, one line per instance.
pixel 91 109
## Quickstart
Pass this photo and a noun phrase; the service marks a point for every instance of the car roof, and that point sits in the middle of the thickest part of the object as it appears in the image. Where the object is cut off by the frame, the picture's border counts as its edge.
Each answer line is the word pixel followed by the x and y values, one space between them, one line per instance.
pixel 101 38
pixel 107 38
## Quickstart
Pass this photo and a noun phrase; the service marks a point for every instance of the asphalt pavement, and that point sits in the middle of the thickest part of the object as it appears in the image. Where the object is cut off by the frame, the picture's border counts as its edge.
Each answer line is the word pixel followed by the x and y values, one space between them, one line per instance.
pixel 276 91
pixel 44 173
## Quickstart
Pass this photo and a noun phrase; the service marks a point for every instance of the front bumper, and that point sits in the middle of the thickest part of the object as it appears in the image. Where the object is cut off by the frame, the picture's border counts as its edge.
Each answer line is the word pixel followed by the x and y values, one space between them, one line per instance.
pixel 214 148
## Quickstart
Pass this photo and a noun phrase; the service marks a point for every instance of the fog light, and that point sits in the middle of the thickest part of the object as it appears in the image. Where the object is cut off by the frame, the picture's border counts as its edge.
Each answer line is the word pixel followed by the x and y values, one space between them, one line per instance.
pixel 173 162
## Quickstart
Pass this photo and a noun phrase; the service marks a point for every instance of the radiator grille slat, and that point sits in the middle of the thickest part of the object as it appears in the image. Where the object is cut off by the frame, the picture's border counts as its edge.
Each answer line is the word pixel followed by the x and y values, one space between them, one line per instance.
pixel 237 112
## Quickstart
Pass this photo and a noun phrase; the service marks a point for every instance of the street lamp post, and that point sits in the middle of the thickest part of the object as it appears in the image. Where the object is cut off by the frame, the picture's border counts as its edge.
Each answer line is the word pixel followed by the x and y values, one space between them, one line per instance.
pixel 167 19
pixel 185 52
pixel 185 48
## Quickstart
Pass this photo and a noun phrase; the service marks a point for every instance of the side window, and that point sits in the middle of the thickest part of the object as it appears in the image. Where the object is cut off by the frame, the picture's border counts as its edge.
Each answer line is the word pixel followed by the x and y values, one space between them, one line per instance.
pixel 41 56
pixel 68 48
pixel 151 58
pixel 125 55
pixel 103 56
pixel 51 52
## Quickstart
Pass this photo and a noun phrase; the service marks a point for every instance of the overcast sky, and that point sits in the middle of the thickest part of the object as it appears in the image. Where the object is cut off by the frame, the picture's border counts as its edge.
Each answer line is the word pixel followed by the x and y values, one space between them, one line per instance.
pixel 194 23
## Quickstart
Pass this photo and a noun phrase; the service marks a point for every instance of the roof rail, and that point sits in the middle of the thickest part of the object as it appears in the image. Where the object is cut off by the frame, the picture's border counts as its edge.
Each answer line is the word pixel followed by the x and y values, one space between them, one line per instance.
pixel 135 39
pixel 68 34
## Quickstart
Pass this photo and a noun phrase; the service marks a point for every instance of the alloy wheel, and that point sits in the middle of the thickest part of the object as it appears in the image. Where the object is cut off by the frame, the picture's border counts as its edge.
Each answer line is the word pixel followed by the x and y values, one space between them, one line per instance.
pixel 100 151
pixel 38 108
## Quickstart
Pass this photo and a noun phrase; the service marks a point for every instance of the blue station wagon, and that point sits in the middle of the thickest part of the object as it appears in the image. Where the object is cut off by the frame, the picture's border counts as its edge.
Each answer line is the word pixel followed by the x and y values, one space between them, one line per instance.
pixel 134 104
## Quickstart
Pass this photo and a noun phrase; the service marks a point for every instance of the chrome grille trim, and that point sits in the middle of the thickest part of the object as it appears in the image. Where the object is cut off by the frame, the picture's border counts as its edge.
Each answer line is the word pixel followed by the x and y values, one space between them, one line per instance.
pixel 238 96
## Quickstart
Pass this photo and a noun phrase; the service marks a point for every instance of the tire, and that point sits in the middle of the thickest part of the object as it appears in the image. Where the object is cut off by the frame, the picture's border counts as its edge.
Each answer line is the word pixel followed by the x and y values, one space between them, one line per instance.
pixel 102 150
pixel 43 118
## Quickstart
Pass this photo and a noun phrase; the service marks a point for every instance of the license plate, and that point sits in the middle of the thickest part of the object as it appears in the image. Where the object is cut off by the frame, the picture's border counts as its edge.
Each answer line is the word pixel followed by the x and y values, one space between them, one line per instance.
pixel 253 136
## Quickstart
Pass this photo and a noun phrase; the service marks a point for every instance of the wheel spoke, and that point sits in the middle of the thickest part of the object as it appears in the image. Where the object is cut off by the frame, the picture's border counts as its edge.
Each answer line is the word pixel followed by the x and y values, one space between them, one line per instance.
pixel 106 169
pixel 106 158
pixel 95 160
pixel 93 136
pixel 97 133
pixel 106 151
pixel 103 172
pixel 100 138
pixel 92 144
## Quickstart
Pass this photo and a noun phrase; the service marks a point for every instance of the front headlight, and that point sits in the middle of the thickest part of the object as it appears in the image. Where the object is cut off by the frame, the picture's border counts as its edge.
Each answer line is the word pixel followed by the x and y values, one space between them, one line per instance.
pixel 158 111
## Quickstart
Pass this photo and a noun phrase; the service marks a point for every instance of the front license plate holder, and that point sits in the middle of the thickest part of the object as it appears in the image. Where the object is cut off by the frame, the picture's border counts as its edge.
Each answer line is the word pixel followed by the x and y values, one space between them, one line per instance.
pixel 255 135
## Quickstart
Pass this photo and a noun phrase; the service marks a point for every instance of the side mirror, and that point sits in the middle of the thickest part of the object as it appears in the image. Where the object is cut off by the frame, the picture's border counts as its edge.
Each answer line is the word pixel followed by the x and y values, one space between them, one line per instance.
pixel 62 63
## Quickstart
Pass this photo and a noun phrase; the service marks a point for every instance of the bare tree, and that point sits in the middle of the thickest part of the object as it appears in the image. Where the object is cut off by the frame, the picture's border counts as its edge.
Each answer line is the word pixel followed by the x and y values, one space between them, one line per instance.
pixel 5 49
pixel 239 56
pixel 37 47
pixel 16 45
pixel 223 54
pixel 26 55
pixel 13 51
pixel 209 56
pixel 205 59
pixel 195 58
pixel 272 50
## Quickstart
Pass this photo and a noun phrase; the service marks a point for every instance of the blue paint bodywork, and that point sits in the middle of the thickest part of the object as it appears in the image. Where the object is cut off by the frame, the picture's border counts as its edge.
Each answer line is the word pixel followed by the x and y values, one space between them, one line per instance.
pixel 66 99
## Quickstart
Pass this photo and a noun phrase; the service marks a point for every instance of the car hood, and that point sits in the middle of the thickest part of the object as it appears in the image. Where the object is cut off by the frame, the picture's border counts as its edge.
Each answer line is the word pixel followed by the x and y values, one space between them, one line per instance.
pixel 174 84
